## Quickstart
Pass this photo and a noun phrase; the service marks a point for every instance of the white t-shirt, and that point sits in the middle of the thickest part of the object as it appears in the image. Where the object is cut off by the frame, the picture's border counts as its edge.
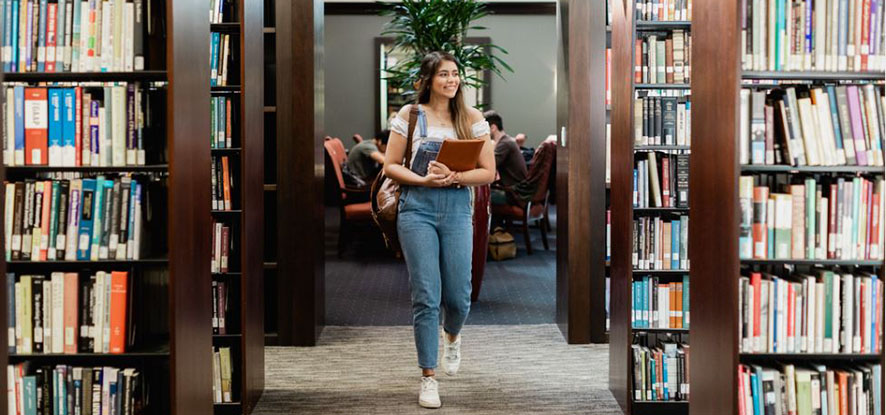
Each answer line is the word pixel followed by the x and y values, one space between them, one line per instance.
pixel 433 135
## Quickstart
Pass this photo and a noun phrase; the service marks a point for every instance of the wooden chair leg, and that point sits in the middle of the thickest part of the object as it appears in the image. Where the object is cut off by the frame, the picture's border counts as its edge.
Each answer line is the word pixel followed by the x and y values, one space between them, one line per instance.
pixel 544 233
pixel 526 237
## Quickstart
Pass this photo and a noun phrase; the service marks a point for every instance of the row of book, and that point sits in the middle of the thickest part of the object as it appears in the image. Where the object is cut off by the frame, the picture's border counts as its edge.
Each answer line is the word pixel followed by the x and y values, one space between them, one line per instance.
pixel 663 57
pixel 221 58
pixel 221 11
pixel 222 183
pixel 825 35
pixel 81 219
pixel 222 375
pixel 661 373
pixel 219 307
pixel 662 120
pixel 64 314
pixel 73 35
pixel 820 312
pixel 223 116
pixel 662 180
pixel 222 246
pixel 824 218
pixel 661 244
pixel 74 390
pixel 663 10
pixel 81 125
pixel 834 125
pixel 810 389
pixel 660 305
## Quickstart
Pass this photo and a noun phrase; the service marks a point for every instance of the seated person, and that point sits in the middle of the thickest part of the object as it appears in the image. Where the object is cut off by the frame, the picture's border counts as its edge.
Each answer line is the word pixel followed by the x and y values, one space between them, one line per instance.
pixel 509 163
pixel 366 158
pixel 528 152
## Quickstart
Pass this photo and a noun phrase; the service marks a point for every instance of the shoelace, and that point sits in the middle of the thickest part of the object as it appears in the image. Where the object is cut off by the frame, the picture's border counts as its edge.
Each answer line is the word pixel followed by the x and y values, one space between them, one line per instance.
pixel 427 384
pixel 453 350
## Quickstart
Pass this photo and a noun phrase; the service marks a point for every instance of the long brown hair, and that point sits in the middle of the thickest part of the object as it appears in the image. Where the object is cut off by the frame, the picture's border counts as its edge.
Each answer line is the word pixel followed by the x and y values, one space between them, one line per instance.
pixel 457 108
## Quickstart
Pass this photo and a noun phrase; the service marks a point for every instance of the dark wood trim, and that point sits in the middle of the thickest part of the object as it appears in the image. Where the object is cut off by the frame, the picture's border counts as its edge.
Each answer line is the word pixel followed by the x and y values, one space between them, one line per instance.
pixel 501 8
pixel 622 165
pixel 252 309
pixel 189 251
pixel 713 178
pixel 300 277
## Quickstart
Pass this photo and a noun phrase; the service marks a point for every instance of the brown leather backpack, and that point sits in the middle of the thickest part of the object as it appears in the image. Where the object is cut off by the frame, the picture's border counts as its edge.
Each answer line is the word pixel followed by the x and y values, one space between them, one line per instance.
pixel 385 193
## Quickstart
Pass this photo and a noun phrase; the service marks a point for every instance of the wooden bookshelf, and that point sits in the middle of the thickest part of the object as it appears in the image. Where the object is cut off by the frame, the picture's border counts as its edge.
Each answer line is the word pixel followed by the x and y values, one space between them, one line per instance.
pixel 244 283
pixel 626 30
pixel 715 166
pixel 178 369
pixel 271 308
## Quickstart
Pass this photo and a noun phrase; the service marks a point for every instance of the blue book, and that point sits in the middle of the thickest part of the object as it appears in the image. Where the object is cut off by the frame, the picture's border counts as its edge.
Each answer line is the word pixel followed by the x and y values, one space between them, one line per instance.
pixel 69 127
pixel 878 385
pixel 647 313
pixel 773 309
pixel 686 301
pixel 675 244
pixel 93 134
pixel 4 37
pixel 213 59
pixel 636 194
pixel 10 311
pixel 664 377
pixel 87 208
pixel 842 30
pixel 19 153
pixel 134 197
pixel 835 120
pixel 755 394
pixel 13 37
pixel 654 380
pixel 41 37
pixel 55 126
pixel 98 217
pixel 29 404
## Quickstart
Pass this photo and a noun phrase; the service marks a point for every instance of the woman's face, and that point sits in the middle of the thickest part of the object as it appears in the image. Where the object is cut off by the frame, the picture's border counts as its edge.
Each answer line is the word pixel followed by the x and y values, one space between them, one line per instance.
pixel 446 81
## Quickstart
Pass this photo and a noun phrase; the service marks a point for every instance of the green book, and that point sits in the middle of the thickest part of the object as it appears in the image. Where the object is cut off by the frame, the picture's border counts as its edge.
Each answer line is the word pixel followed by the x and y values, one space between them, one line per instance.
pixel 29 395
pixel 828 278
pixel 810 218
pixel 53 219
pixel 97 218
pixel 212 117
pixel 804 392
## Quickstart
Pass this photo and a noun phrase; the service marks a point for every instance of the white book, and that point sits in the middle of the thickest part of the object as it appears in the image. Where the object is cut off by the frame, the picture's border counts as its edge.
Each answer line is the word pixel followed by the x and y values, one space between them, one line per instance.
pixel 117 21
pixel 109 375
pixel 83 61
pixel 107 33
pixel 47 316
pixel 128 36
pixel 118 125
pixel 770 316
pixel 744 126
pixel 819 317
pixel 819 27
pixel 67 50
pixel 216 377
pixel 19 317
pixel 823 103
pixel 73 219
pixel 10 390
pixel 98 323
pixel 8 219
pixel 770 35
pixel 868 100
pixel 104 141
pixel 846 326
pixel 58 309
pixel 9 128
pixel 136 241
pixel 808 127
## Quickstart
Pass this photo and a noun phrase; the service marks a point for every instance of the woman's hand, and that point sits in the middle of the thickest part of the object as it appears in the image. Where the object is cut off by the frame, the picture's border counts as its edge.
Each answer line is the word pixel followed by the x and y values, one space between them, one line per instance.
pixel 438 180
pixel 438 168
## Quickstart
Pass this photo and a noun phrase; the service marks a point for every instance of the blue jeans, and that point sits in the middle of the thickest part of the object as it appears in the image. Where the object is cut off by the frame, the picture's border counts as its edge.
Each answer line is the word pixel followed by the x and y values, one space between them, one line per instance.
pixel 436 234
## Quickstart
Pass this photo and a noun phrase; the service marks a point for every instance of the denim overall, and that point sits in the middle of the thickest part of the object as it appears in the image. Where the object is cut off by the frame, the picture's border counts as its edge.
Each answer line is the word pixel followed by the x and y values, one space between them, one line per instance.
pixel 436 234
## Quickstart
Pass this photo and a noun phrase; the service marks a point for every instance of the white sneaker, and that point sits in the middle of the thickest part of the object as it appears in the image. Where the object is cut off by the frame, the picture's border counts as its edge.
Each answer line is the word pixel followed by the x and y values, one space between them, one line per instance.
pixel 429 397
pixel 451 354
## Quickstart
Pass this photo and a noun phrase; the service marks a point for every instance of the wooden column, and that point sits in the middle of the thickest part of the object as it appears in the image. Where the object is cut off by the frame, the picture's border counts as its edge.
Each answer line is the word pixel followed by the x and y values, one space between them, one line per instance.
pixel 300 236
pixel 581 164
pixel 620 200
pixel 713 180
pixel 187 109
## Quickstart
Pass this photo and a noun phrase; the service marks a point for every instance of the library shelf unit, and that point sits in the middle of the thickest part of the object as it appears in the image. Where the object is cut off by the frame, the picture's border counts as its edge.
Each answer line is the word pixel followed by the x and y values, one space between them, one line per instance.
pixel 270 174
pixel 627 28
pixel 714 172
pixel 170 349
pixel 243 22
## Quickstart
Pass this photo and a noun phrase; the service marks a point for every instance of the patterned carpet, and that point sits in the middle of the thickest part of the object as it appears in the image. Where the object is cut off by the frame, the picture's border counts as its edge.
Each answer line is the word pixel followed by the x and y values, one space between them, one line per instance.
pixel 510 369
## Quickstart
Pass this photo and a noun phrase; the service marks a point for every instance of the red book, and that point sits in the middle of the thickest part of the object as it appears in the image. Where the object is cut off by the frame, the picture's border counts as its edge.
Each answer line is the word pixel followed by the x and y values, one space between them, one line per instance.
pixel 222 306
pixel 51 15
pixel 741 401
pixel 756 283
pixel 865 28
pixel 226 184
pixel 843 382
pixel 117 342
pixel 70 313
pixel 875 249
pixel 228 123
pixel 36 124
pixel 792 306
pixel 225 251
pixel 759 229
pixel 665 182
pixel 638 61
pixel 862 317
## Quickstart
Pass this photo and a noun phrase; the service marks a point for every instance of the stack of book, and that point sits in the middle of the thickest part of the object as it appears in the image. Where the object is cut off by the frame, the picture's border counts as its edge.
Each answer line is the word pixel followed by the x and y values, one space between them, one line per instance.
pixel 222 374
pixel 820 312
pixel 219 307
pixel 73 35
pixel 663 10
pixel 221 58
pixel 662 118
pixel 833 125
pixel 661 373
pixel 221 247
pixel 80 219
pixel 222 183
pixel 828 35
pixel 829 218
pixel 662 180
pixel 661 244
pixel 74 390
pixel 64 314
pixel 814 389
pixel 660 305
pixel 221 115
pixel 74 125
pixel 220 11
pixel 662 57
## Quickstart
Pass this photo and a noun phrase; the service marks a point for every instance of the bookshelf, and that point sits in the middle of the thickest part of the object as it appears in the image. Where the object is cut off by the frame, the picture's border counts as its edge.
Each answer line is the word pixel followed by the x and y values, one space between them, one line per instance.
pixel 643 140
pixel 237 282
pixel 717 167
pixel 171 359
pixel 272 312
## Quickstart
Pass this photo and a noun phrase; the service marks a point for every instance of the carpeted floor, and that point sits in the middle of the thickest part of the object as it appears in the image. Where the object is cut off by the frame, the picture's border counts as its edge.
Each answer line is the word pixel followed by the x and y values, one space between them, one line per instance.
pixel 512 369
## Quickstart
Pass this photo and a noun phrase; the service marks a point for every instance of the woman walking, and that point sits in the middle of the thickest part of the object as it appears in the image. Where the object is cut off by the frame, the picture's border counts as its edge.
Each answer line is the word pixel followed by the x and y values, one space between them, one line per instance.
pixel 434 221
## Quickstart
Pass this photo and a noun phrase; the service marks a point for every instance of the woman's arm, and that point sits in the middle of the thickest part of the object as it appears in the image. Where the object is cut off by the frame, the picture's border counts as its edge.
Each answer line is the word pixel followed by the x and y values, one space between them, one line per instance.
pixel 395 169
pixel 485 171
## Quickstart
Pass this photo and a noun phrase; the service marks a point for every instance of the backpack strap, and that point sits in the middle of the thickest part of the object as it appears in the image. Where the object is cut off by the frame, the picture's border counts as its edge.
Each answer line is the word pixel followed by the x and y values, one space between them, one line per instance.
pixel 413 119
